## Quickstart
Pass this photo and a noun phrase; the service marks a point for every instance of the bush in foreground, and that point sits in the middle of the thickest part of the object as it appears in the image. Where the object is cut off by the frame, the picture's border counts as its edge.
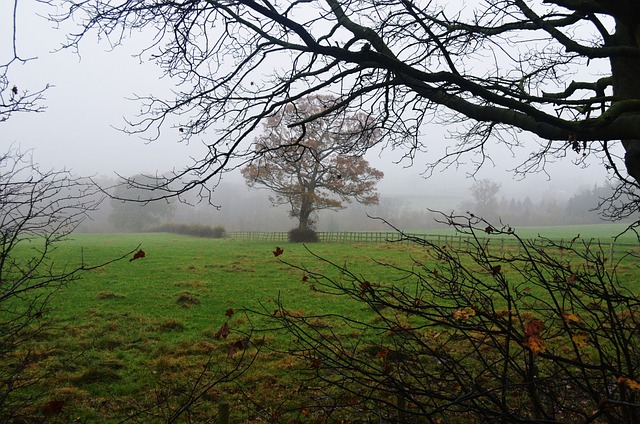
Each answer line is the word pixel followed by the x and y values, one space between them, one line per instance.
pixel 39 209
pixel 533 334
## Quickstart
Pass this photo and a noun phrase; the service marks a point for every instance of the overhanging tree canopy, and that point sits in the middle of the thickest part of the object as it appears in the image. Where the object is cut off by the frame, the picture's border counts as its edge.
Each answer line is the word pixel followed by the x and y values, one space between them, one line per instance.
pixel 563 70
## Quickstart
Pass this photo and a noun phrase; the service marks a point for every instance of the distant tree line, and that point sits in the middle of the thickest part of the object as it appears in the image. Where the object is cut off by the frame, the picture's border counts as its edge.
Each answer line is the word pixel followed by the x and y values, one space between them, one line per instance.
pixel 251 210
pixel 581 208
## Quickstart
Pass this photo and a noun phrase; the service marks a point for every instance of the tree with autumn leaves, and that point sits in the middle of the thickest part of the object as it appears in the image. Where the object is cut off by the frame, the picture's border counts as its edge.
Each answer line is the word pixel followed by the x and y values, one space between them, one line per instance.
pixel 318 166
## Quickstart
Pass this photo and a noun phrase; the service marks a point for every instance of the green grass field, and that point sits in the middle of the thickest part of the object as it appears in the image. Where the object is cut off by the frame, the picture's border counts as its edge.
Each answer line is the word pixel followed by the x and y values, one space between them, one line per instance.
pixel 129 331
pixel 127 328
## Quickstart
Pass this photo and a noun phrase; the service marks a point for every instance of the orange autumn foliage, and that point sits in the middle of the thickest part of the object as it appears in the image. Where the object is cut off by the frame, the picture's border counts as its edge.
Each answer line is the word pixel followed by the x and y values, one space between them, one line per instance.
pixel 632 384
pixel 532 329
pixel 535 344
pixel 464 314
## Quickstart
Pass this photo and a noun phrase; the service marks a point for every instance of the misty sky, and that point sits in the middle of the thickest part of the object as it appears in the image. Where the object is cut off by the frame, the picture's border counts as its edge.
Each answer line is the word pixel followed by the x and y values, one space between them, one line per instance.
pixel 89 98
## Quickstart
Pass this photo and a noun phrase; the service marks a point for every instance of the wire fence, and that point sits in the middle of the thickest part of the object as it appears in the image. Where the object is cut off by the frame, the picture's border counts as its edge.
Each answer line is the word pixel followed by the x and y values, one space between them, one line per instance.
pixel 613 251
pixel 330 237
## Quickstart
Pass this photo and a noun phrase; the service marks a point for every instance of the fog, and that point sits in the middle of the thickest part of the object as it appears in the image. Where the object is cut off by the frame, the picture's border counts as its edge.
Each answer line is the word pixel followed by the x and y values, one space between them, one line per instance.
pixel 90 99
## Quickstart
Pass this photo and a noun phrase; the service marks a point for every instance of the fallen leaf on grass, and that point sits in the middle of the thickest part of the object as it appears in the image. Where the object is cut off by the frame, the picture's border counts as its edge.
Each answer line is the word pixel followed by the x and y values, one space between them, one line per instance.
pixel 223 332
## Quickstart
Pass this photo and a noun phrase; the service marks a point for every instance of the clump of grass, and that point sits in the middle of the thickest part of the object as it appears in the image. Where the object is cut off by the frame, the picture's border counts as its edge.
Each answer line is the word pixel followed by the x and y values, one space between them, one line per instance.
pixel 172 324
pixel 107 294
pixel 69 394
pixel 187 300
pixel 319 323
pixel 112 326
pixel 110 342
pixel 166 363
pixel 96 374
pixel 201 348
pixel 194 283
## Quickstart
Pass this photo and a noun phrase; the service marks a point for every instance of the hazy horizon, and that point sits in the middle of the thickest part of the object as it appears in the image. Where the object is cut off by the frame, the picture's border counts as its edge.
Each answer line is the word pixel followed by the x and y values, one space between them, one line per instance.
pixel 88 102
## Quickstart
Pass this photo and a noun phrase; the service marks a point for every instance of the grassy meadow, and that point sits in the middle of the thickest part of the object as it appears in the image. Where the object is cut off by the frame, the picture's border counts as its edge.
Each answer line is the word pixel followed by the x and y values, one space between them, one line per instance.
pixel 137 335
pixel 128 329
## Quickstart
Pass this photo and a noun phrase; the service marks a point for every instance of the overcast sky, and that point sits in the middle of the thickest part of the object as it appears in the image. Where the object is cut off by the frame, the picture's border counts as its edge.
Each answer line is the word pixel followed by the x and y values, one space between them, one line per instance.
pixel 88 101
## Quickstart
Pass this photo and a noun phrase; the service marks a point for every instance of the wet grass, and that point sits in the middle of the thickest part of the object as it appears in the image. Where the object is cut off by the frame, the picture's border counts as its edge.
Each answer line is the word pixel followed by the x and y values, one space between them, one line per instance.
pixel 130 332
pixel 135 334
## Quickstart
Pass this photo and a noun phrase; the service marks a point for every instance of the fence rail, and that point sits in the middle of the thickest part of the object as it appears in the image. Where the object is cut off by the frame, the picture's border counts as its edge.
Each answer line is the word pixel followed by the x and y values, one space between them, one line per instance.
pixel 334 237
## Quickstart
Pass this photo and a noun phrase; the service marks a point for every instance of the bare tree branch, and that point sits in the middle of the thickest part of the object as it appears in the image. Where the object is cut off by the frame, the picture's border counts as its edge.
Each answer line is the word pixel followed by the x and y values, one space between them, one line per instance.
pixel 502 67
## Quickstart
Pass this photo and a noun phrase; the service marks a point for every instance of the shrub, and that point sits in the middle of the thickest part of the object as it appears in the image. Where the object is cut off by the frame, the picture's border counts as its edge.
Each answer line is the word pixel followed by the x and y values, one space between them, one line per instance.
pixel 218 232
pixel 195 230
pixel 39 210
pixel 537 333
pixel 299 235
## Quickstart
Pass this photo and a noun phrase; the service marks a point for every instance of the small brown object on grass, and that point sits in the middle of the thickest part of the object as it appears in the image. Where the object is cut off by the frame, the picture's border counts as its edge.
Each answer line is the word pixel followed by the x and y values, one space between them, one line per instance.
pixel 138 255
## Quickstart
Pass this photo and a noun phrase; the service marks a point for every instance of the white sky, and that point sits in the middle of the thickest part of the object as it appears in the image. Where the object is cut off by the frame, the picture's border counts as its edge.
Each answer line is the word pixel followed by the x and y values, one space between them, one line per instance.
pixel 89 99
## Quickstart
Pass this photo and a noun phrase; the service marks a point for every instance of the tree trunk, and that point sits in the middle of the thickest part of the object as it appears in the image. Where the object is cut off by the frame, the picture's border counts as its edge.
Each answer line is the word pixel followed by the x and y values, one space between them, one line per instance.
pixel 306 208
pixel 625 72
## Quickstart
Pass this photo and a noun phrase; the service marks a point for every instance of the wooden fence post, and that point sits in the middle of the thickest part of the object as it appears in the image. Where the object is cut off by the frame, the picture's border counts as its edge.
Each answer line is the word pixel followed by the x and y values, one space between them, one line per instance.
pixel 223 412
pixel 402 405
pixel 611 255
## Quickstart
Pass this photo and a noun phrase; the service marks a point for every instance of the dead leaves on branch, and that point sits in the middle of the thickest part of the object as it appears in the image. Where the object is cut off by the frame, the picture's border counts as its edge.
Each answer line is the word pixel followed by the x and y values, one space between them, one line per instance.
pixel 532 331
pixel 305 279
pixel 238 346
pixel 535 344
pixel 571 318
pixel 533 328
pixel 225 331
pixel 581 339
pixel 464 314
pixel 631 384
